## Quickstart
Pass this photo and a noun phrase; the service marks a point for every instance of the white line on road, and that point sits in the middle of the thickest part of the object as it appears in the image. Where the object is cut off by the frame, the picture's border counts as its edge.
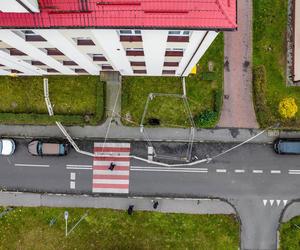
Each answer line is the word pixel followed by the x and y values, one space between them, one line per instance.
pixel 73 176
pixel 239 170
pixel 275 171
pixel 87 167
pixel 162 169
pixel 31 165
pixel 221 170
pixel 294 171
pixel 257 171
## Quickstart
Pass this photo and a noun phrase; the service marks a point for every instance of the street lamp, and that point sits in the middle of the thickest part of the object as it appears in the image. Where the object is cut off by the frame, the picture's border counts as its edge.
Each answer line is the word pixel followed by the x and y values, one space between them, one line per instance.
pixel 66 215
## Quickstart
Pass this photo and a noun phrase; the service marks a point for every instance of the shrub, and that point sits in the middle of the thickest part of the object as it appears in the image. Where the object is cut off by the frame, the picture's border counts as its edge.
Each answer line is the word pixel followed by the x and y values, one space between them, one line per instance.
pixel 208 76
pixel 259 94
pixel 206 119
pixel 288 108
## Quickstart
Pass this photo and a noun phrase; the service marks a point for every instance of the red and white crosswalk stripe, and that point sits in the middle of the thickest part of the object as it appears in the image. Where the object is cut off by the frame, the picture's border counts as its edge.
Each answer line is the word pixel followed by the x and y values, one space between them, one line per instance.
pixel 105 180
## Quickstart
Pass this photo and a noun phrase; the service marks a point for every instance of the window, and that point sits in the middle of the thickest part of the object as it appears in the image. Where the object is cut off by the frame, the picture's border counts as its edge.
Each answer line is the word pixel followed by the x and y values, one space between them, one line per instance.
pixel 54 52
pixel 134 52
pixel 179 32
pixel 84 41
pixel 135 49
pixel 137 63
pixel 130 32
pixel 28 32
pixel 140 71
pixel 69 63
pixel 174 49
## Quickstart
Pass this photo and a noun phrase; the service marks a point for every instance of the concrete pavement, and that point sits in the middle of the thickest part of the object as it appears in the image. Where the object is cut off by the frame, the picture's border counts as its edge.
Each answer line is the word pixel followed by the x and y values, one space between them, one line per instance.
pixel 156 134
pixel 166 205
pixel 238 110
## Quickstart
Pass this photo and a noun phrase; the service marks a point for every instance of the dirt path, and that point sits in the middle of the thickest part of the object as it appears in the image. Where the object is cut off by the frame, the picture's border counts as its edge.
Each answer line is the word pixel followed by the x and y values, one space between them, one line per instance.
pixel 238 110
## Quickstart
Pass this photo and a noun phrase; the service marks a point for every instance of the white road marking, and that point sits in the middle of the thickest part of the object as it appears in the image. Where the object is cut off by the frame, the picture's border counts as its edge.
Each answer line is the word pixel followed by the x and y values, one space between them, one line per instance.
pixel 275 171
pixel 32 165
pixel 239 170
pixel 109 172
pixel 72 184
pixel 278 202
pixel 257 171
pixel 271 202
pixel 285 202
pixel 294 171
pixel 221 170
pixel 265 202
pixel 170 169
pixel 107 163
pixel 110 181
pixel 110 190
pixel 73 176
pixel 87 167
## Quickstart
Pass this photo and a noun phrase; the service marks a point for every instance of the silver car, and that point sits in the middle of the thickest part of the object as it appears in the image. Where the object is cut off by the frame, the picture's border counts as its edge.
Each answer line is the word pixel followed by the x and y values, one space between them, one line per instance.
pixel 7 146
pixel 41 148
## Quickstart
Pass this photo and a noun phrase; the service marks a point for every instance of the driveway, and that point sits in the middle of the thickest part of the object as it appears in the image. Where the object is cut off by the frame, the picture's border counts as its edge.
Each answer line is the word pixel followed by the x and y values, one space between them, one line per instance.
pixel 238 110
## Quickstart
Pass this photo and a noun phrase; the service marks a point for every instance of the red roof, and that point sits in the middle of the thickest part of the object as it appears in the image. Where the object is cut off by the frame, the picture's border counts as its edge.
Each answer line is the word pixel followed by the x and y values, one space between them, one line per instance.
pixel 183 14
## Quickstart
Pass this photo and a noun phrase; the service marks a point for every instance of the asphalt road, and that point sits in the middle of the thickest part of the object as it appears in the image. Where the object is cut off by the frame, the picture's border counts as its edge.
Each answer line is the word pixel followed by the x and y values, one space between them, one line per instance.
pixel 253 178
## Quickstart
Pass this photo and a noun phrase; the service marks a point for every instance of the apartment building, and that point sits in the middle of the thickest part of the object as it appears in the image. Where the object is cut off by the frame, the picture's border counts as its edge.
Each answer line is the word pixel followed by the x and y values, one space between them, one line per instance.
pixel 133 37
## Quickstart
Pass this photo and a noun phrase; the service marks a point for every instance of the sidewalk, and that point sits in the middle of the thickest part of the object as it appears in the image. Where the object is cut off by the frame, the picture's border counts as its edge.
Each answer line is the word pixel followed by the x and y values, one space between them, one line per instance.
pixel 238 110
pixel 190 206
pixel 118 132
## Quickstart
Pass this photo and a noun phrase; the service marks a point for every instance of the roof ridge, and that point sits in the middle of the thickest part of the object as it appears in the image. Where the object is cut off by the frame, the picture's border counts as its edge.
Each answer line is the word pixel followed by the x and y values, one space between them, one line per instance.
pixel 220 5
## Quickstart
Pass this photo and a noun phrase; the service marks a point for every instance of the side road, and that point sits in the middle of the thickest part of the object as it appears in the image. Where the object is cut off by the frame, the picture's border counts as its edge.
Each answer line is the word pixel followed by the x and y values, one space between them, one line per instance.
pixel 117 132
pixel 191 206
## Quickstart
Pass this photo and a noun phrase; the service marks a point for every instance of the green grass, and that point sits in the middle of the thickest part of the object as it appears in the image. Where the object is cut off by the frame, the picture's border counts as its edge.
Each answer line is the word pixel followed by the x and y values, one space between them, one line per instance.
pixel 204 93
pixel 28 228
pixel 269 49
pixel 74 98
pixel 290 234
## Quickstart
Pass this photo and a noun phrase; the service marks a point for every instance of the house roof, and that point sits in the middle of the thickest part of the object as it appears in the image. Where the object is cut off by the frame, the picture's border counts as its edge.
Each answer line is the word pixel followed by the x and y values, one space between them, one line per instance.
pixel 148 14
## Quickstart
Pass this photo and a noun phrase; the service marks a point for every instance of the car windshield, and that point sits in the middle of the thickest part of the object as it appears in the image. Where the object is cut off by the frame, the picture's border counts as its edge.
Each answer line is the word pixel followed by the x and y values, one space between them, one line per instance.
pixel 290 147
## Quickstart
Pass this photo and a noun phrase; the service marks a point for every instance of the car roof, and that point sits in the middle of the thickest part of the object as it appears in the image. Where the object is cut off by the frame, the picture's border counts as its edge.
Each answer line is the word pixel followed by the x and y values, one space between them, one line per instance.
pixel 290 146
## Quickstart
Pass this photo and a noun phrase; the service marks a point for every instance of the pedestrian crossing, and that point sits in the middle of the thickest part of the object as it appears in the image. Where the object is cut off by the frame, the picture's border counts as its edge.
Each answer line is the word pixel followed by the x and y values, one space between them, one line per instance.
pixel 104 179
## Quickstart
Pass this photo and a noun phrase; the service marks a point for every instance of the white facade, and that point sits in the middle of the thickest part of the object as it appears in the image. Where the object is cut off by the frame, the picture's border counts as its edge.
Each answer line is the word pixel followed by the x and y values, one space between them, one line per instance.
pixel 90 51
pixel 21 6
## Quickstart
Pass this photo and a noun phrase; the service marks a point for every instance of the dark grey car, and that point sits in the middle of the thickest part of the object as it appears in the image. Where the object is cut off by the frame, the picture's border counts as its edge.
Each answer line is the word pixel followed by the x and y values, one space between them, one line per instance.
pixel 287 146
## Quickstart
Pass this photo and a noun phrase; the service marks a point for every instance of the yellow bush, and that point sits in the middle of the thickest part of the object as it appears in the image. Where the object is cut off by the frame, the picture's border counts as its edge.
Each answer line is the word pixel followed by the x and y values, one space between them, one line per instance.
pixel 288 108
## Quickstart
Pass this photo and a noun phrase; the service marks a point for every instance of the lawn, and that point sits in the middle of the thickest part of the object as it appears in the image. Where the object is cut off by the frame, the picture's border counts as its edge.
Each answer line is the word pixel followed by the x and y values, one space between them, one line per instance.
pixel 290 234
pixel 29 228
pixel 269 60
pixel 204 92
pixel 75 99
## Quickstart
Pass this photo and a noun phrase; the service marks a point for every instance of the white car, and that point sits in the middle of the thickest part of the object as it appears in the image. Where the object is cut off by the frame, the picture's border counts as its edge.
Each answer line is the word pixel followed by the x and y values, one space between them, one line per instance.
pixel 7 146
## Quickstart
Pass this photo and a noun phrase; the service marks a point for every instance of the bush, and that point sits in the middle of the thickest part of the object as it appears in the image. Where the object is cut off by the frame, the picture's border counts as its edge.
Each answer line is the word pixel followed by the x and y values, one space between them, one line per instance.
pixel 288 108
pixel 208 76
pixel 206 119
pixel 259 95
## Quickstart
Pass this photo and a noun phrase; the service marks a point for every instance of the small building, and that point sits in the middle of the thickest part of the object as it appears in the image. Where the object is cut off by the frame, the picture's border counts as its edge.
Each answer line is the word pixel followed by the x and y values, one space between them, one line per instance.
pixel 133 37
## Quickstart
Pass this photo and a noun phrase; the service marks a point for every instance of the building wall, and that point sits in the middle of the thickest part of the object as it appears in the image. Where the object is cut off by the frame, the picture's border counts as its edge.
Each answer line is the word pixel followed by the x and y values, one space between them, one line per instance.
pixel 297 42
pixel 90 51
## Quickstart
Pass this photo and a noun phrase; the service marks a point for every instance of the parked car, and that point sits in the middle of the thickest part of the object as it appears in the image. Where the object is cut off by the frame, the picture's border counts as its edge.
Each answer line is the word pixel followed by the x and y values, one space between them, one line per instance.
pixel 7 146
pixel 287 146
pixel 38 147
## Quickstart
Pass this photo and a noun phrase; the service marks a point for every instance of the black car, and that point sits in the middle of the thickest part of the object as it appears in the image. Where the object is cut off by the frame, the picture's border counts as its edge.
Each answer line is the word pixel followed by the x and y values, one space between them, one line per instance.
pixel 287 146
